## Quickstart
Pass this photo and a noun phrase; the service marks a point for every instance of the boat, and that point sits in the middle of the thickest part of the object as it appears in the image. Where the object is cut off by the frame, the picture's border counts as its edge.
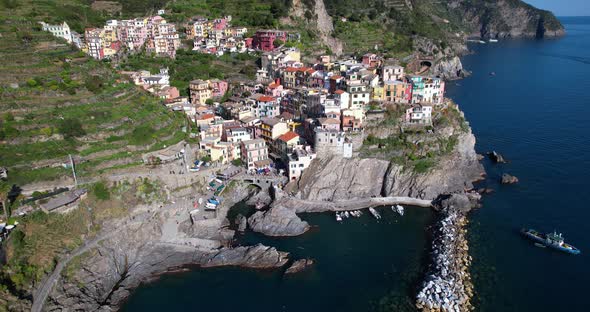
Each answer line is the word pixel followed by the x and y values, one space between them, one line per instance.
pixel 374 213
pixel 553 240
pixel 338 217
pixel 493 40
pixel 346 214
pixel 400 210
pixel 492 73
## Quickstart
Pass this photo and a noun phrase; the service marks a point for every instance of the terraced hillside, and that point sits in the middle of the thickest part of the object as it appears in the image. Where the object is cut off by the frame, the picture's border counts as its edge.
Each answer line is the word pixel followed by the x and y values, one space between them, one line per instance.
pixel 56 102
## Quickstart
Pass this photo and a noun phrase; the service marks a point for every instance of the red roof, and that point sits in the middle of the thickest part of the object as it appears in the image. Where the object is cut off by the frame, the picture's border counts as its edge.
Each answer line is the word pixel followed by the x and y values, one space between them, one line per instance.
pixel 291 69
pixel 274 85
pixel 288 136
pixel 266 99
pixel 207 116
pixel 339 91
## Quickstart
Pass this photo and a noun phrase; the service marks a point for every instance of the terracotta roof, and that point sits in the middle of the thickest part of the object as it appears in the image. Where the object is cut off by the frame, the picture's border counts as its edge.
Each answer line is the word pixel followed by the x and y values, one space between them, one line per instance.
pixel 274 85
pixel 291 69
pixel 207 116
pixel 266 99
pixel 339 91
pixel 288 136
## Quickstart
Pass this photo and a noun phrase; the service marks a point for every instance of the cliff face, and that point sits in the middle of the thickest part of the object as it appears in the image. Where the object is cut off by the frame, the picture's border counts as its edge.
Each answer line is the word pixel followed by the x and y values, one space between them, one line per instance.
pixel 315 16
pixel 454 173
pixel 506 19
pixel 336 178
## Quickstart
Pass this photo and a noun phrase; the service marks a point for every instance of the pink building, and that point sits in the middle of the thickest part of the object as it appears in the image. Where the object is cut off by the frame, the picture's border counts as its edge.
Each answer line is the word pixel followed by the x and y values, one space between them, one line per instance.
pixel 264 39
pixel 218 87
pixel 255 154
pixel 274 89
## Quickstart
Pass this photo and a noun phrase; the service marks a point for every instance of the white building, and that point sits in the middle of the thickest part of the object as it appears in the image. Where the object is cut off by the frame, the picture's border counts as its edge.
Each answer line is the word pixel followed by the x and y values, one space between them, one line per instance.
pixel 332 142
pixel 359 95
pixel 299 160
pixel 419 114
pixel 392 73
pixel 62 31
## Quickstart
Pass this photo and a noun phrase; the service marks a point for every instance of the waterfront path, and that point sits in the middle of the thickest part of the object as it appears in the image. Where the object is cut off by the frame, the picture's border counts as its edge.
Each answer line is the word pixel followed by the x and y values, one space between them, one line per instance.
pixel 301 205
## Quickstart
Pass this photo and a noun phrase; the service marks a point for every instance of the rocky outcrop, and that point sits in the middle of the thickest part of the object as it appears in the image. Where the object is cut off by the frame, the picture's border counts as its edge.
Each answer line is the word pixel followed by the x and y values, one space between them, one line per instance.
pixel 318 18
pixel 496 157
pixel 104 277
pixel 454 173
pixel 259 257
pixel 299 266
pixel 242 222
pixel 337 178
pixel 278 221
pixel 508 179
pixel 449 68
pixel 506 19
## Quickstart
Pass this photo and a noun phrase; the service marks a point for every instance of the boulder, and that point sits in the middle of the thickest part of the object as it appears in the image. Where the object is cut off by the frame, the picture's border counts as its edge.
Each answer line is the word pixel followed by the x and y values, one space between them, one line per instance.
pixel 509 179
pixel 457 202
pixel 299 266
pixel 496 158
pixel 277 221
pixel 242 222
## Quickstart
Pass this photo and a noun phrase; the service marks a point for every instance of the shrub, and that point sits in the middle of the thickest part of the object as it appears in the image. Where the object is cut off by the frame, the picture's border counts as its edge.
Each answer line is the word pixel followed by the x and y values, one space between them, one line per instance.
pixel 71 128
pixel 141 135
pixel 32 83
pixel 101 191
pixel 237 162
pixel 423 165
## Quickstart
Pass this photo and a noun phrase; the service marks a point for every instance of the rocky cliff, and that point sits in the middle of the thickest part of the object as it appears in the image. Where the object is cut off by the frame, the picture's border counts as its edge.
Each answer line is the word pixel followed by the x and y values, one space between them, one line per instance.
pixel 315 16
pixel 505 19
pixel 338 178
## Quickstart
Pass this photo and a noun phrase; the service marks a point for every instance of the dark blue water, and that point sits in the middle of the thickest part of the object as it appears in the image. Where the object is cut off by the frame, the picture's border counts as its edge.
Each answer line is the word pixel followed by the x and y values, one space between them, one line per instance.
pixel 535 111
pixel 361 264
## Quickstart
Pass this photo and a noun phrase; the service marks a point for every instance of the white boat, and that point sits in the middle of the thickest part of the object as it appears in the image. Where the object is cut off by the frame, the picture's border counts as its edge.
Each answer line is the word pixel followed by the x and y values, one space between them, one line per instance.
pixel 346 214
pixel 493 40
pixel 374 213
pixel 338 217
pixel 400 210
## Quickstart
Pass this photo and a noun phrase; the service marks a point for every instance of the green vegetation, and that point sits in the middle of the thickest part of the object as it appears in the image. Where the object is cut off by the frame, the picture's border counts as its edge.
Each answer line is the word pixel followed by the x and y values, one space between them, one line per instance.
pixel 101 191
pixel 34 247
pixel 67 103
pixel 415 147
pixel 260 13
pixel 189 65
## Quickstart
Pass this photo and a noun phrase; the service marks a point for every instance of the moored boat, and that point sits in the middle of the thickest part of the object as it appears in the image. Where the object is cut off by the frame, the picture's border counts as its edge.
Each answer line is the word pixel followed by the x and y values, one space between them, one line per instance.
pixel 553 240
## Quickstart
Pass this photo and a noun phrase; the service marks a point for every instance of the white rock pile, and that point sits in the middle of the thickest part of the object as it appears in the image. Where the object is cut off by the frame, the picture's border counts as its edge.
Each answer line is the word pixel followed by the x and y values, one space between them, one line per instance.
pixel 448 285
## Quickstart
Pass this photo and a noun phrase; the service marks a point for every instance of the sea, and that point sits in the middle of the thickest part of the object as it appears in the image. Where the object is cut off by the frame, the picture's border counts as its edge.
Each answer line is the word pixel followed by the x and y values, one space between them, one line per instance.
pixel 529 100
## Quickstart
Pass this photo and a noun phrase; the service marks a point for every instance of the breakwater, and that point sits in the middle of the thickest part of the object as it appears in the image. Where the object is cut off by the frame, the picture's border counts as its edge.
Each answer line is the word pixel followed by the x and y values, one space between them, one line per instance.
pixel 448 286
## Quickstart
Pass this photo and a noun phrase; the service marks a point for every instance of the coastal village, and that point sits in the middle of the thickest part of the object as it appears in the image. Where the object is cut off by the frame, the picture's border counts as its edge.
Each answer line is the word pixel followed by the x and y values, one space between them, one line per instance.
pixel 267 130
pixel 290 114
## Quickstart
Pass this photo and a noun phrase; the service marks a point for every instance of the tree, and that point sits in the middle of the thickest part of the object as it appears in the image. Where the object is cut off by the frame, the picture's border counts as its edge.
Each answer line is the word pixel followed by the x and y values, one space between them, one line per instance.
pixel 278 43
pixel 71 128
pixel 4 191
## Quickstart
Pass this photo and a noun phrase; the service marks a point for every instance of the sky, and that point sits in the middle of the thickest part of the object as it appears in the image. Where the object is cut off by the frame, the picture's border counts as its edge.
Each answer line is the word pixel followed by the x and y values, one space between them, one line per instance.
pixel 563 7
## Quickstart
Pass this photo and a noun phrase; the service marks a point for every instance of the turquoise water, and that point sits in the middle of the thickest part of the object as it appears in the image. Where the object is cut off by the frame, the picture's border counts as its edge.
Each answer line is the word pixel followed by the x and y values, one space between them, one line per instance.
pixel 535 111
